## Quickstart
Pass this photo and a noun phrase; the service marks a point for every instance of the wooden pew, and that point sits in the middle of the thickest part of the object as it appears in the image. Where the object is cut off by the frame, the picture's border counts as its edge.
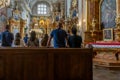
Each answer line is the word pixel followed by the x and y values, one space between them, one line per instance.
pixel 45 64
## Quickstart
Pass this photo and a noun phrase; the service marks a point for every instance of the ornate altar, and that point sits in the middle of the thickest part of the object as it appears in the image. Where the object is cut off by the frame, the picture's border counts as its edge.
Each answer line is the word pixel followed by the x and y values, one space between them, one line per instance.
pixel 17 24
pixel 92 35
pixel 117 30
pixel 41 25
pixel 106 54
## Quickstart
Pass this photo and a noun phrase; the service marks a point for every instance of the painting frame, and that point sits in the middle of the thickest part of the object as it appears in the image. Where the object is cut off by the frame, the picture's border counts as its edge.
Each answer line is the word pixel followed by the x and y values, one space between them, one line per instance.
pixel 107 24
pixel 108 34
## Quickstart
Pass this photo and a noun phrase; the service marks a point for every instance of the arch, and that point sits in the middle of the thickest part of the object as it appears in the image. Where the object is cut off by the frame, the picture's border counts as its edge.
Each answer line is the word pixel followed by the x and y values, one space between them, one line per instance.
pixel 34 6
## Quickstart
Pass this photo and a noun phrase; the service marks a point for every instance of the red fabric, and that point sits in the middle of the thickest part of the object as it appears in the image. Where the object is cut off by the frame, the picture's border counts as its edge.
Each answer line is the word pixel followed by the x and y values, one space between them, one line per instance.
pixel 105 43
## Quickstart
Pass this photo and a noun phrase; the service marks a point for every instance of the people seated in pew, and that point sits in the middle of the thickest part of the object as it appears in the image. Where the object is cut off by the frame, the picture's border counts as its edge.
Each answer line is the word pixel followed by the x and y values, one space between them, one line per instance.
pixel 7 37
pixel 59 36
pixel 33 40
pixel 44 40
pixel 18 42
pixel 25 39
pixel 74 41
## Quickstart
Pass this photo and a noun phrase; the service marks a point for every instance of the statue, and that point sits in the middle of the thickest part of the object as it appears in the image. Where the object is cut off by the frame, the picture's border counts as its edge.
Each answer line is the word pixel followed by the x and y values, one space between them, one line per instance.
pixel 93 34
pixel 118 21
pixel 118 28
pixel 93 24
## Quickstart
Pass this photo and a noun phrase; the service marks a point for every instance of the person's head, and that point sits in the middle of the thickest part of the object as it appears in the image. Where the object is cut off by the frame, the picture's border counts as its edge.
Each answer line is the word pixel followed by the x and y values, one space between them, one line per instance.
pixel 46 36
pixel 32 35
pixel 18 35
pixel 7 27
pixel 26 35
pixel 60 25
pixel 17 39
pixel 74 30
pixel 68 31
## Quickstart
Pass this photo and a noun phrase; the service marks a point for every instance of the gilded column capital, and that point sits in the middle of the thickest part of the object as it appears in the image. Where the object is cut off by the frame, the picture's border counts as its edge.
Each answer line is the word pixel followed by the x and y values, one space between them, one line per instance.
pixel 118 6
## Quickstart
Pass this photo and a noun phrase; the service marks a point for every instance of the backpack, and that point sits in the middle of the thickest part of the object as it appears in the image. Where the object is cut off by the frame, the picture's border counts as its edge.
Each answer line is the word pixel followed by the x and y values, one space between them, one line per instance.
pixel 7 39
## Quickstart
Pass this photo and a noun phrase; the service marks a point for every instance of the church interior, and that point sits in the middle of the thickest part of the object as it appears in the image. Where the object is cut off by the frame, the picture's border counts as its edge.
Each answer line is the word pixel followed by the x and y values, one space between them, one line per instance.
pixel 96 21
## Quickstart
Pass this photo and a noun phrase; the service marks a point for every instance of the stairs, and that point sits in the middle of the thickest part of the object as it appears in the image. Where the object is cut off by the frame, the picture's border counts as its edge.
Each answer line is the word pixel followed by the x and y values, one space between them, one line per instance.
pixel 109 64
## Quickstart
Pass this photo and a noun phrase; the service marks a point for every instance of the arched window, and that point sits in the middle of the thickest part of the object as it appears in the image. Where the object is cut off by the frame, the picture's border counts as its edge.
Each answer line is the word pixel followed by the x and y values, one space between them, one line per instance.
pixel 42 9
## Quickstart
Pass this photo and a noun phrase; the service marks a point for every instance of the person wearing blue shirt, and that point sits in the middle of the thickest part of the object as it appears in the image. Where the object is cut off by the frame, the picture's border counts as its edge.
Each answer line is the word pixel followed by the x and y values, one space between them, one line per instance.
pixel 0 37
pixel 59 37
pixel 7 37
pixel 26 39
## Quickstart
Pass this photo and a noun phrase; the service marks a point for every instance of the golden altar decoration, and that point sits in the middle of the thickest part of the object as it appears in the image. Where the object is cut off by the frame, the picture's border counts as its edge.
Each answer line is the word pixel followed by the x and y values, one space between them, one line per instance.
pixel 17 24
pixel 118 28
pixel 94 32
pixel 42 23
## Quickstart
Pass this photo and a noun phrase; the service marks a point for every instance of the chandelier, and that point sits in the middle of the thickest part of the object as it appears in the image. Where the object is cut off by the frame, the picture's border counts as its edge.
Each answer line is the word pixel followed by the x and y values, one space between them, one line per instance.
pixel 4 3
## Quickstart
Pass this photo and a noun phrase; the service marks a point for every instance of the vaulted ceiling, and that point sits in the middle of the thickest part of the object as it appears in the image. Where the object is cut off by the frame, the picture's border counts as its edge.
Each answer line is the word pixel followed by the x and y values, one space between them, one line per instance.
pixel 29 4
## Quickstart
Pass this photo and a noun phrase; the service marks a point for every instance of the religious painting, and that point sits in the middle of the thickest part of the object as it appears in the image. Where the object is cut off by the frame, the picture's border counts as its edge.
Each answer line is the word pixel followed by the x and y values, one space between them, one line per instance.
pixel 108 13
pixel 108 34
pixel 74 8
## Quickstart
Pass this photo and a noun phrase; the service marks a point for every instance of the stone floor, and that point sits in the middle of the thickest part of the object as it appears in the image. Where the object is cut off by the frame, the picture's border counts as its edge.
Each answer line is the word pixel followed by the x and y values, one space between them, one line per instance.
pixel 105 74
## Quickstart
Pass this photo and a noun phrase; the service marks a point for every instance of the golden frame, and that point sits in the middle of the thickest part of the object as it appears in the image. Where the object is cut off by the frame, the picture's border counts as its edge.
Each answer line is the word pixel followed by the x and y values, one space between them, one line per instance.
pixel 108 34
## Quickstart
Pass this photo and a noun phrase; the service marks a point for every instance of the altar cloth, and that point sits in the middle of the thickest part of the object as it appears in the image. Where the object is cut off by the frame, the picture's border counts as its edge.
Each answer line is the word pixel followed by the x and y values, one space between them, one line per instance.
pixel 103 44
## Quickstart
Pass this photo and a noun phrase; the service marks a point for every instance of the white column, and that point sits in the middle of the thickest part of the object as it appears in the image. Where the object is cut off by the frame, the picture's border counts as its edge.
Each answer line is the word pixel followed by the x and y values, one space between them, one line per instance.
pixel 68 7
pixel 80 15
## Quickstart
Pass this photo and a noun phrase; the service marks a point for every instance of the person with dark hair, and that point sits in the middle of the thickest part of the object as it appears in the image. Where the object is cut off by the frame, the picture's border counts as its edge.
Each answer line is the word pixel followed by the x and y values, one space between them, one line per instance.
pixel 18 42
pixel 17 39
pixel 74 41
pixel 59 36
pixel 33 41
pixel 44 40
pixel 7 37
pixel 68 33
